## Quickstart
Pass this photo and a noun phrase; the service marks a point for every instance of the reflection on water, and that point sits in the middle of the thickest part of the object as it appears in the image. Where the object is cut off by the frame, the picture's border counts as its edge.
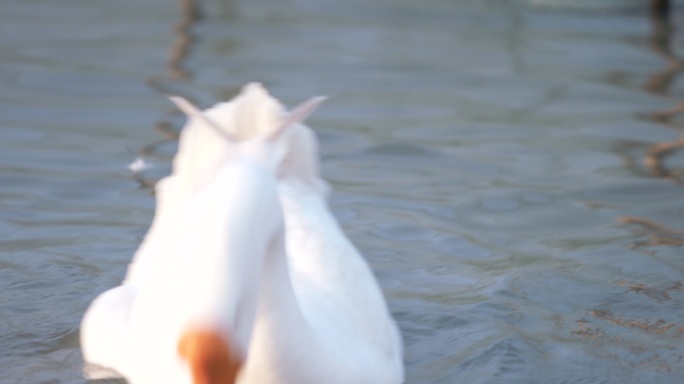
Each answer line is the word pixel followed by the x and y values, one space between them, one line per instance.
pixel 658 234
pixel 190 15
pixel 660 83
pixel 511 172
pixel 181 49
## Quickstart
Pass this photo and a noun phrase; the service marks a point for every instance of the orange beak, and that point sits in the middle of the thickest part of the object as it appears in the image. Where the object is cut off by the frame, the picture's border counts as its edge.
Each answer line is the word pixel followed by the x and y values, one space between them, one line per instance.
pixel 209 356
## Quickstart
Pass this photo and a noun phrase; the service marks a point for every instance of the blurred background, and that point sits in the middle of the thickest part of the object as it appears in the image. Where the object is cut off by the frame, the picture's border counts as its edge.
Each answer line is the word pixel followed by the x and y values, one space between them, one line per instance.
pixel 510 168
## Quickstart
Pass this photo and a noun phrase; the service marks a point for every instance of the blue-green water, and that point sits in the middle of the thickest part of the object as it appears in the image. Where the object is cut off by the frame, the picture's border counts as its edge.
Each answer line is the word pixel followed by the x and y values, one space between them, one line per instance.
pixel 509 168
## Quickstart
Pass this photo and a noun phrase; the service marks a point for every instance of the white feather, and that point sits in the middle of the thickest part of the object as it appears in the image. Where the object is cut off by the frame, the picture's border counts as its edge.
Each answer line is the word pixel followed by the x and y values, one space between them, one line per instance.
pixel 243 240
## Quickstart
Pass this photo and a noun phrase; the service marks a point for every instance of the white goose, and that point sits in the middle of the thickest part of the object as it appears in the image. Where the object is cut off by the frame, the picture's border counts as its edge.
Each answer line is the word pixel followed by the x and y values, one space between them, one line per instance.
pixel 244 276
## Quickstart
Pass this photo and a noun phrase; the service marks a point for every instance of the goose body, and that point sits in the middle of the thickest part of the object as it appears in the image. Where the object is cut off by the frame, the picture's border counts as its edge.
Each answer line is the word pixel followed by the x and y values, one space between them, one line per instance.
pixel 245 275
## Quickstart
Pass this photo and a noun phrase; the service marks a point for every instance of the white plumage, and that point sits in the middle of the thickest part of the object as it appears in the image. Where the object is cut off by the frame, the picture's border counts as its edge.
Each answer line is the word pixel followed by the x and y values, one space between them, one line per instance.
pixel 244 248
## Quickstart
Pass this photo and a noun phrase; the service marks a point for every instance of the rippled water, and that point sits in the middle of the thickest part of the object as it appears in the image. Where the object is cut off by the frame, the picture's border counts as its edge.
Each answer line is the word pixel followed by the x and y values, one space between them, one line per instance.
pixel 509 168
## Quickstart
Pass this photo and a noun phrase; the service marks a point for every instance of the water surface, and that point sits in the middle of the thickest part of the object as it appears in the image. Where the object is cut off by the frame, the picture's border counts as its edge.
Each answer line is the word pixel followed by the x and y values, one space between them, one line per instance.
pixel 509 168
